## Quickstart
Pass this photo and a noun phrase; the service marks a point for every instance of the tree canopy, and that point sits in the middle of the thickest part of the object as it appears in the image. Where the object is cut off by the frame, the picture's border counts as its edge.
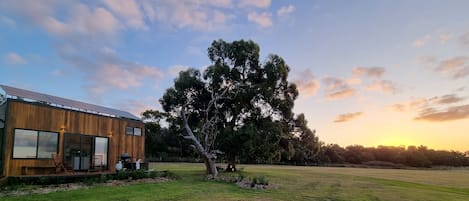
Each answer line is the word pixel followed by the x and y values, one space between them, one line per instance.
pixel 245 104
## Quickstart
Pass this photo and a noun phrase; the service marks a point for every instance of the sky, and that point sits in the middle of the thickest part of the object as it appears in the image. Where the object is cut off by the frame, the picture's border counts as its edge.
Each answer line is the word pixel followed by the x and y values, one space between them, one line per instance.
pixel 369 72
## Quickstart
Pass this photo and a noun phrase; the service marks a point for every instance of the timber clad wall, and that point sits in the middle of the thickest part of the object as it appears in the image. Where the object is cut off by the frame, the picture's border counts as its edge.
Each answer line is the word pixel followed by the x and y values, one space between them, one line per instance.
pixel 35 116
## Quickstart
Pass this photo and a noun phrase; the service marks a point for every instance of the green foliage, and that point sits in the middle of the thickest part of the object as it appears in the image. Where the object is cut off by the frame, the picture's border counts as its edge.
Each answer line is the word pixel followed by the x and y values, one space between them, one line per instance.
pixel 259 180
pixel 241 174
pixel 395 157
pixel 256 111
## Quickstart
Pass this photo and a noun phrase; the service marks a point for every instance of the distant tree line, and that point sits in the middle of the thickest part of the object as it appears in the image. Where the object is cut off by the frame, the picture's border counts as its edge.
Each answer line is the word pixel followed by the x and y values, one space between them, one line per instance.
pixel 300 147
pixel 240 110
pixel 412 156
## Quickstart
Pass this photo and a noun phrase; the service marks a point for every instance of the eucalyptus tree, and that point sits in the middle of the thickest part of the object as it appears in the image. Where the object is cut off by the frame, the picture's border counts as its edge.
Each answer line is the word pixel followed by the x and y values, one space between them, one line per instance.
pixel 258 111
pixel 239 106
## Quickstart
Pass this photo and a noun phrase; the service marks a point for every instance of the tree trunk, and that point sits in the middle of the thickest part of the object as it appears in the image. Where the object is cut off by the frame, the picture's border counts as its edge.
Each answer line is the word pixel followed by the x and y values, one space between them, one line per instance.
pixel 231 167
pixel 209 158
pixel 210 167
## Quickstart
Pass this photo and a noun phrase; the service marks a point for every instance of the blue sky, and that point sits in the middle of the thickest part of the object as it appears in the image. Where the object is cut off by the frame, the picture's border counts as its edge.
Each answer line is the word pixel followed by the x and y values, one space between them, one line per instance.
pixel 369 72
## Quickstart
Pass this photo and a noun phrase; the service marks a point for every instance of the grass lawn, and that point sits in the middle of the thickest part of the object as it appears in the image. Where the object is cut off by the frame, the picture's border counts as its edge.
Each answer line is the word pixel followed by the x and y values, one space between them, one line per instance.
pixel 295 183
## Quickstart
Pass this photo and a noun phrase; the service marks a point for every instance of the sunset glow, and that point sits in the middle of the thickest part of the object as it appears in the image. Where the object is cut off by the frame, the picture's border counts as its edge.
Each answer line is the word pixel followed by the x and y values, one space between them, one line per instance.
pixel 368 72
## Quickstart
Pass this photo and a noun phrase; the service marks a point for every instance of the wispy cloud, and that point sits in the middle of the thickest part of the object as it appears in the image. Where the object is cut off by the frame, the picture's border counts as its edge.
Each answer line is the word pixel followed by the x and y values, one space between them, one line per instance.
pixel 447 114
pixel 422 41
pixel 307 83
pixel 254 3
pixel 457 67
pixel 194 14
pixel 337 88
pixel 420 104
pixel 285 10
pixel 447 99
pixel 128 11
pixel 464 40
pixel 174 70
pixel 444 37
pixel 14 58
pixel 262 19
pixel 385 86
pixel 7 21
pixel 436 109
pixel 105 70
pixel 138 106
pixel 426 60
pixel 374 72
pixel 347 117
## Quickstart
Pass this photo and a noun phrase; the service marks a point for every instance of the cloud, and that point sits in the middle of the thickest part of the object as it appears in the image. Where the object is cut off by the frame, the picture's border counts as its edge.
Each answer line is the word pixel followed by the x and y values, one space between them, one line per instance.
pixel 375 72
pixel 285 10
pixel 7 21
pixel 337 88
pixel 79 19
pixel 58 72
pixel 262 19
pixel 254 3
pixel 124 75
pixel 444 37
pixel 436 109
pixel 421 104
pixel 307 84
pixel 129 11
pixel 422 41
pixel 456 67
pixel 464 40
pixel 385 86
pixel 398 107
pixel 447 99
pixel 105 70
pixel 196 14
pixel 347 117
pixel 137 107
pixel 83 36
pixel 14 58
pixel 426 60
pixel 174 70
pixel 447 114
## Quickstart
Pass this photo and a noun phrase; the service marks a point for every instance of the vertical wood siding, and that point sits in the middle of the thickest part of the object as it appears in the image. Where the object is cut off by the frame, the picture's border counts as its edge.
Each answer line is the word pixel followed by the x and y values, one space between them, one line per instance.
pixel 32 116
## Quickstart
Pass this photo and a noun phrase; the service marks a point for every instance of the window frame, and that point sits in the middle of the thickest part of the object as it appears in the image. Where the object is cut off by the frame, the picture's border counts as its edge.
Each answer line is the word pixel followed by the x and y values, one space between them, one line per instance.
pixel 37 144
pixel 127 133
pixel 106 166
pixel 133 131
pixel 135 128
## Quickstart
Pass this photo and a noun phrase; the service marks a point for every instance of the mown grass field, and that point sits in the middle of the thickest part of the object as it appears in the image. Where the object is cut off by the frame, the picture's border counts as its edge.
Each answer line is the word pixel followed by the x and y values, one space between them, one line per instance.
pixel 295 183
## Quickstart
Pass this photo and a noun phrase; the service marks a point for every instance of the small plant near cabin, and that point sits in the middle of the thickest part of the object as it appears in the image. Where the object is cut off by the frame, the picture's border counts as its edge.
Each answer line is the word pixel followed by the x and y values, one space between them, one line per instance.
pixel 259 180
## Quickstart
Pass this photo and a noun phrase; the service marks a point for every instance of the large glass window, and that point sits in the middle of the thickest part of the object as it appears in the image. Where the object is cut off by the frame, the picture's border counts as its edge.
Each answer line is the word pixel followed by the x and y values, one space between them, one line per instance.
pixel 25 144
pixel 34 144
pixel 47 144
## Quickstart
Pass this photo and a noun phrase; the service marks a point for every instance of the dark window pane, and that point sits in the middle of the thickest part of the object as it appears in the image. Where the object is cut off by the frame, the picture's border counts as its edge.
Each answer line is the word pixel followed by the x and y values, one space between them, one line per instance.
pixel 129 130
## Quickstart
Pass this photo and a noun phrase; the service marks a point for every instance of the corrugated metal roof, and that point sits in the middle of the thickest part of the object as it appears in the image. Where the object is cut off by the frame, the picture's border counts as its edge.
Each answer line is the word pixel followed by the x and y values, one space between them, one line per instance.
pixel 66 103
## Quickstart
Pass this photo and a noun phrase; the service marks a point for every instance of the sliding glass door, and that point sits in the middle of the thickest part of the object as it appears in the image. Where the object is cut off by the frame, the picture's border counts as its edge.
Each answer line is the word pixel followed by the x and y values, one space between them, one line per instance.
pixel 84 152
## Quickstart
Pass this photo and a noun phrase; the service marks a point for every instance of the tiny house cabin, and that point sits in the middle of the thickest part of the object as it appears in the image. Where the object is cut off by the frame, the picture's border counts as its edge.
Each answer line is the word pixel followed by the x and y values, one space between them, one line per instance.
pixel 42 134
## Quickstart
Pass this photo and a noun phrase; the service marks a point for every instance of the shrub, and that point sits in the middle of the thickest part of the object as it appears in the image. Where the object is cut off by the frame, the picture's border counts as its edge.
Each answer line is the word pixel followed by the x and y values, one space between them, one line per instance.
pixel 260 180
